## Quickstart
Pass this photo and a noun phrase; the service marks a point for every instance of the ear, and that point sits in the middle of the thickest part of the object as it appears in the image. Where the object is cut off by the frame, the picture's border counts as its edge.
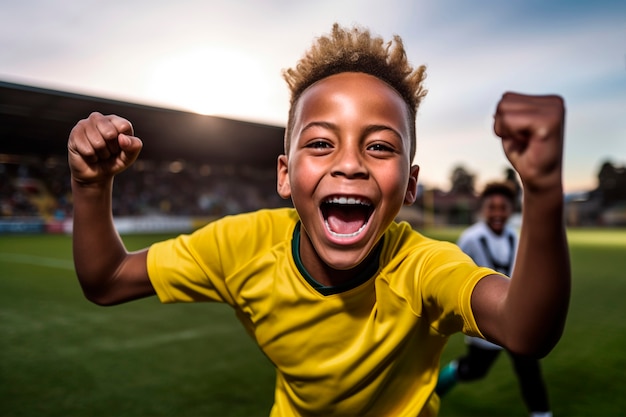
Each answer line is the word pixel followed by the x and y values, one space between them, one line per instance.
pixel 283 186
pixel 411 188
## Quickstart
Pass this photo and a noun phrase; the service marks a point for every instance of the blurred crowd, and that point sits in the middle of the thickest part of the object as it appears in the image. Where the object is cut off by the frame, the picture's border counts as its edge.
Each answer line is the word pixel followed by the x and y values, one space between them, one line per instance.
pixel 40 187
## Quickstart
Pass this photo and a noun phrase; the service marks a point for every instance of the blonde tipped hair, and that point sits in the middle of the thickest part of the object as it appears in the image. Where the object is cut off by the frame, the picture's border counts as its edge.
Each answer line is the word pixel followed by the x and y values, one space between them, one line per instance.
pixel 356 50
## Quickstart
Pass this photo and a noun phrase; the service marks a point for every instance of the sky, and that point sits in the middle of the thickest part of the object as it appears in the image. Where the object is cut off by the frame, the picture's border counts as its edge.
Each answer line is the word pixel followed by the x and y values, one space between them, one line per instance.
pixel 225 57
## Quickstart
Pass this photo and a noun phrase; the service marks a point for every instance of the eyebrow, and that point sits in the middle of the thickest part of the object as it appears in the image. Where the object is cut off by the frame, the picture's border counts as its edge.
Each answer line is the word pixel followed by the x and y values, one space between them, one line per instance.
pixel 325 125
pixel 368 129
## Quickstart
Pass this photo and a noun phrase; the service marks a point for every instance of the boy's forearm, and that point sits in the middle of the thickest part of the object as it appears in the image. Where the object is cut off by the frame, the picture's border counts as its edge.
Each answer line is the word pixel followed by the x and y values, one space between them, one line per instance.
pixel 539 292
pixel 97 247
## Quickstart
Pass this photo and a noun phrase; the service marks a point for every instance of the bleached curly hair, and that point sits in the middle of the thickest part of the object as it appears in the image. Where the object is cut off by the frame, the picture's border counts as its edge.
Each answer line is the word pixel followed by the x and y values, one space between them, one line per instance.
pixel 356 50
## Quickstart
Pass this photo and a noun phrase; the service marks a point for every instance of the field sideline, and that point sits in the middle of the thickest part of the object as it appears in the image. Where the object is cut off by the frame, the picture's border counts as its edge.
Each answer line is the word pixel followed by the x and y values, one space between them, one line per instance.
pixel 62 356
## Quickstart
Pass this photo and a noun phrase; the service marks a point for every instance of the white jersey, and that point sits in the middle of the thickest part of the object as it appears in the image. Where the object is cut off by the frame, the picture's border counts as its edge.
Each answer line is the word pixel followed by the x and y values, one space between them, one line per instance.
pixel 491 250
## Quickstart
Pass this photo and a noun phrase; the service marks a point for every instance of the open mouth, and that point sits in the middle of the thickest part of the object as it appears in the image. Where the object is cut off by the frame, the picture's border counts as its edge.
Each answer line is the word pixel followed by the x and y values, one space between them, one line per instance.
pixel 346 216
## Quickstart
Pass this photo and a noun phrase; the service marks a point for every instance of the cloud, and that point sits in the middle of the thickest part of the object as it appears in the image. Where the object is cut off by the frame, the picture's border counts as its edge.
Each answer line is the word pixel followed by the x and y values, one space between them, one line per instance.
pixel 474 52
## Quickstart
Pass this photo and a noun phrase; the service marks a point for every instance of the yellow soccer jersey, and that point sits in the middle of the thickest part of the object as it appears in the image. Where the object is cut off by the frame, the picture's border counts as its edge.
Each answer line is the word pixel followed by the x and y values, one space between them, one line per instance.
pixel 371 347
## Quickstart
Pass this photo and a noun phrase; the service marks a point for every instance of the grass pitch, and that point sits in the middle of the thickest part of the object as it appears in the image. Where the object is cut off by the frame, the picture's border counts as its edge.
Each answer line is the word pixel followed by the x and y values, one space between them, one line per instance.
pixel 62 356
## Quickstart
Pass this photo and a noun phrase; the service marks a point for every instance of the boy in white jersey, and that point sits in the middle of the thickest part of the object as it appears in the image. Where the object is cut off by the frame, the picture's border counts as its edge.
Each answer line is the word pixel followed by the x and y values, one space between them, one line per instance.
pixel 352 308
pixel 492 242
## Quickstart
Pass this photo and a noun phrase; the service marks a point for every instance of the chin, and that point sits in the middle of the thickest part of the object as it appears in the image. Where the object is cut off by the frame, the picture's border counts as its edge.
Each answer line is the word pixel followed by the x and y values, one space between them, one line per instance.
pixel 341 262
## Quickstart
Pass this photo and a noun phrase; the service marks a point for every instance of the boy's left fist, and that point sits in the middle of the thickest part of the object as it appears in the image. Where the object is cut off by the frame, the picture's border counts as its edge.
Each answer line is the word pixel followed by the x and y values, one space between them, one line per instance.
pixel 532 131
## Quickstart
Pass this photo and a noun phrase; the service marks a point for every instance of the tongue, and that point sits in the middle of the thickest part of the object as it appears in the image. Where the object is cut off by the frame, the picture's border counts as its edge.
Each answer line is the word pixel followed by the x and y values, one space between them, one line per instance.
pixel 345 221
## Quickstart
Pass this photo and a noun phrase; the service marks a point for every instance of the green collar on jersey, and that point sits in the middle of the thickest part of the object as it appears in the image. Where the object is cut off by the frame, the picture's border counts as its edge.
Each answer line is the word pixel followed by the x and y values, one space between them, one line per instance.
pixel 370 267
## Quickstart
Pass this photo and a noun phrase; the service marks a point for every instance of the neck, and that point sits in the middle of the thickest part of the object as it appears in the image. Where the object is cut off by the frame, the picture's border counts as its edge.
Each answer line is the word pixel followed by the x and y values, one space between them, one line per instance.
pixel 322 272
pixel 315 269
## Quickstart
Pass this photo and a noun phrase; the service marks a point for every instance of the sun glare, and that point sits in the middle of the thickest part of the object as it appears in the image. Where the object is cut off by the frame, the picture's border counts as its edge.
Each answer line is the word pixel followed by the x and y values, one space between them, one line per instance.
pixel 207 80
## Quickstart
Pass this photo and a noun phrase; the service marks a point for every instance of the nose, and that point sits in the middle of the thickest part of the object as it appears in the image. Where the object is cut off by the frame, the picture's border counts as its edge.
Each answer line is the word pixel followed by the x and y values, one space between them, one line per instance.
pixel 349 163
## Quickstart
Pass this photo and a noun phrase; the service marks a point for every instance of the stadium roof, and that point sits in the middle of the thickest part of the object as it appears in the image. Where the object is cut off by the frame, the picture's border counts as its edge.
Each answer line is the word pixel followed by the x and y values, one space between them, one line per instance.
pixel 38 121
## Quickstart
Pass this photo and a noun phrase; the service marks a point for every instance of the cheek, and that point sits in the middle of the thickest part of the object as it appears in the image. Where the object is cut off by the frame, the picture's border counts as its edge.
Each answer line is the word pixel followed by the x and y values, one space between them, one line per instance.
pixel 395 182
pixel 303 176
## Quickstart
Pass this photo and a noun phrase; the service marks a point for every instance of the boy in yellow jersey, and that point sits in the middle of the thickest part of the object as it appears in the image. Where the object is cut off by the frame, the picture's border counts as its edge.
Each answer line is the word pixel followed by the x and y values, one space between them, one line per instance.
pixel 352 308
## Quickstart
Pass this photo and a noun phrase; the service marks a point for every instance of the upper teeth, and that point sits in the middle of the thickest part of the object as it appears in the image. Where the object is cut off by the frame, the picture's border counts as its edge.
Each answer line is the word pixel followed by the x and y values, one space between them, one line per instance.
pixel 347 200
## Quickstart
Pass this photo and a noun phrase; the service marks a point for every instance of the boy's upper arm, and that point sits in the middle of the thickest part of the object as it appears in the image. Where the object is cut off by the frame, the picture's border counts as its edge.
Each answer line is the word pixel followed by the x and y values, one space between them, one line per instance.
pixel 132 281
pixel 487 300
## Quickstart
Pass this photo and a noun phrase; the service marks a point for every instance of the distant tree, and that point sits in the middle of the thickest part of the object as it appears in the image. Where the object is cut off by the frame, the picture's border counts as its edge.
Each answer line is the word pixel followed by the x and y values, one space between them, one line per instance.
pixel 611 183
pixel 462 181
pixel 511 175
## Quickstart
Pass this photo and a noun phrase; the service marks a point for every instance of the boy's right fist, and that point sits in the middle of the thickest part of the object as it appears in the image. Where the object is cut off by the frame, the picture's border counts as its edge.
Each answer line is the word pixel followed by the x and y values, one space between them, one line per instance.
pixel 100 147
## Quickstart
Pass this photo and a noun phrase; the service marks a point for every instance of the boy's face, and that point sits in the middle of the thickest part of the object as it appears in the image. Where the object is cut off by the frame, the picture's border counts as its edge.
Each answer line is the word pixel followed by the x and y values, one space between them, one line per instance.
pixel 348 170
pixel 496 210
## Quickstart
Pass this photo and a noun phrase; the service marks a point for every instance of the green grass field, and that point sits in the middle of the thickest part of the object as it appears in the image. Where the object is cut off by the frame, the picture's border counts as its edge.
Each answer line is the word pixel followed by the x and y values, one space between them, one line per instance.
pixel 62 356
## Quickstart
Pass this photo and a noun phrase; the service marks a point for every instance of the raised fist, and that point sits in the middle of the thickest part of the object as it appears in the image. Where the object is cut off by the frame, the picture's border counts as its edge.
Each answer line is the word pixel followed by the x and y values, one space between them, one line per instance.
pixel 100 147
pixel 532 131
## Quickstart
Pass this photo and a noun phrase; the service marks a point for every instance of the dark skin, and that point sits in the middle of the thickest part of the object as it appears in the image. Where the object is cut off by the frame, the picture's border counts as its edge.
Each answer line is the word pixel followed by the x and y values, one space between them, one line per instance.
pixel 532 133
pixel 525 314
pixel 99 148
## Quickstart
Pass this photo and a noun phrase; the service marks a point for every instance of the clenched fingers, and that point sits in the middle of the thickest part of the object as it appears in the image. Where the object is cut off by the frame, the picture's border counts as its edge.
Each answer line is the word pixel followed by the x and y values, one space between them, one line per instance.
pixel 521 117
pixel 96 138
pixel 532 132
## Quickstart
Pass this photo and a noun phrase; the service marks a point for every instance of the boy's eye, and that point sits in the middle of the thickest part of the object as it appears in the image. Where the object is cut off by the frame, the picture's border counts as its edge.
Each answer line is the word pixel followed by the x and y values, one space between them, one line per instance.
pixel 318 144
pixel 380 147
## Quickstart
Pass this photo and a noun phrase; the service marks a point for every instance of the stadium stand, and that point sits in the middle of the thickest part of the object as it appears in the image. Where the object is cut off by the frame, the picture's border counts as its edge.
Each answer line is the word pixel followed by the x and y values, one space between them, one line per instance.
pixel 191 164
